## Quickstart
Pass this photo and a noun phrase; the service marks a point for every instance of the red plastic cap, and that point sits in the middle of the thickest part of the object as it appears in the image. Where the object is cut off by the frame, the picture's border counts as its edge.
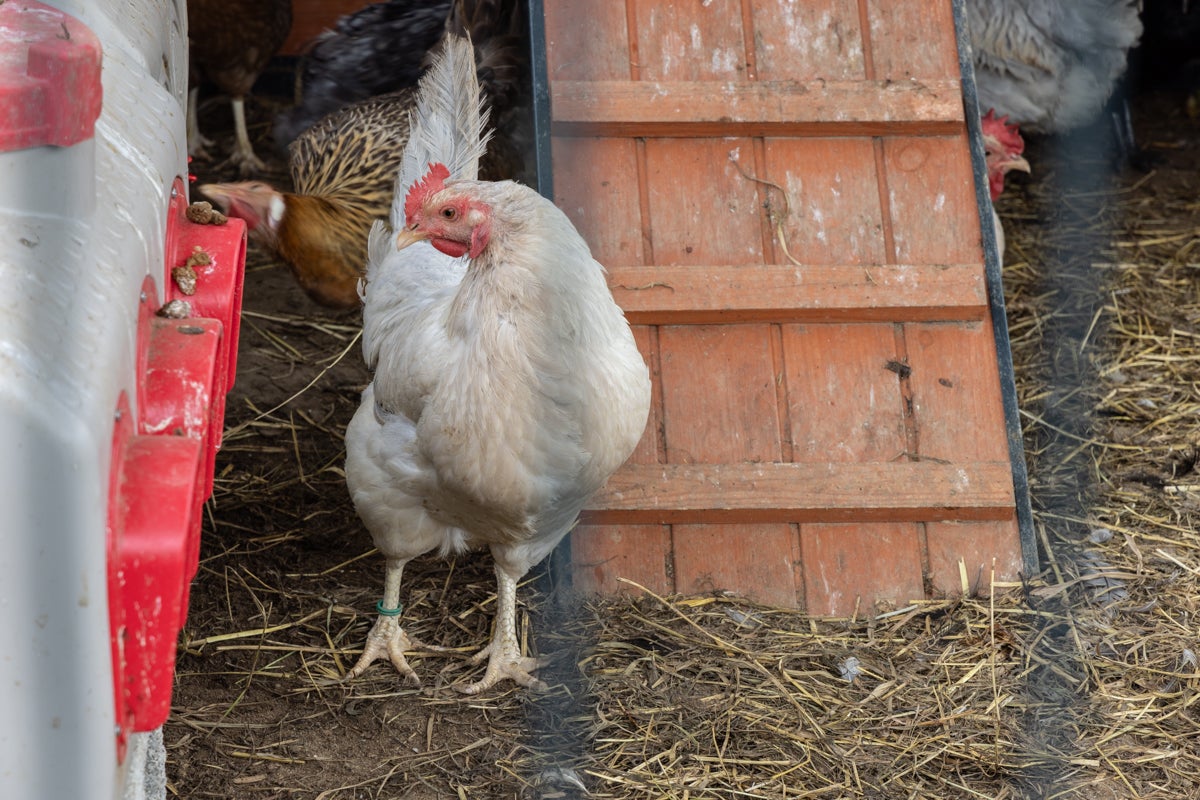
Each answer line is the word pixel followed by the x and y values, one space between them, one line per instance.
pixel 49 77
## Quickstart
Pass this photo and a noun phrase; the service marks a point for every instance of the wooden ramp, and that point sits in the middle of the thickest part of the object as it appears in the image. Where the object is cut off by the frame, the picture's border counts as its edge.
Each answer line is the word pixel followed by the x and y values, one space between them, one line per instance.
pixel 784 195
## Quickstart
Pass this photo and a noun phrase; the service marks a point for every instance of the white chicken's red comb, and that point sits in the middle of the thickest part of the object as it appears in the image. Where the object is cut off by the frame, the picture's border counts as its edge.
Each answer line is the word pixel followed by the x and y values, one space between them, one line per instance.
pixel 1004 133
pixel 433 182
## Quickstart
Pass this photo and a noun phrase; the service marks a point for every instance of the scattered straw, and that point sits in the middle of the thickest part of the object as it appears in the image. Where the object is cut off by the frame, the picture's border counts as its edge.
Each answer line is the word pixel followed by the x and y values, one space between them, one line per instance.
pixel 777 220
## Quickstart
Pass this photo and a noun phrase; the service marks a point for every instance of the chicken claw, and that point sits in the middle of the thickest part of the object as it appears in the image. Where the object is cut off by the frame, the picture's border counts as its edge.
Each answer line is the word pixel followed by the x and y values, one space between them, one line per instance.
pixel 386 638
pixel 506 662
pixel 503 652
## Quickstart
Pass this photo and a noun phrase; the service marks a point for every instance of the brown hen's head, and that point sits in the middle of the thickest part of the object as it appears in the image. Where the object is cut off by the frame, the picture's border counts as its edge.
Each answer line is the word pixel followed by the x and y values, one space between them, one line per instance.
pixel 455 223
pixel 1002 147
pixel 322 241
pixel 261 205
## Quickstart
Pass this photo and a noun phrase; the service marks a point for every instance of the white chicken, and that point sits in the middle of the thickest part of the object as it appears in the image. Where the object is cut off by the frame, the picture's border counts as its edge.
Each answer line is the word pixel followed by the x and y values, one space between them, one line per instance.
pixel 1050 65
pixel 507 385
pixel 1002 148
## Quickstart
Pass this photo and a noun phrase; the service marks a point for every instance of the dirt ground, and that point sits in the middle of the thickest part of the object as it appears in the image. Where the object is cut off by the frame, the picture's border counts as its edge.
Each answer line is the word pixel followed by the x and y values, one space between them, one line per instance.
pixel 288 578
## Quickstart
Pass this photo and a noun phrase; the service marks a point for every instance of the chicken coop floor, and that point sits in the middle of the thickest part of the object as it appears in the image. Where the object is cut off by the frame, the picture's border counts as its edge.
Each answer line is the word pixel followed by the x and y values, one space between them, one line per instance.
pixel 1080 686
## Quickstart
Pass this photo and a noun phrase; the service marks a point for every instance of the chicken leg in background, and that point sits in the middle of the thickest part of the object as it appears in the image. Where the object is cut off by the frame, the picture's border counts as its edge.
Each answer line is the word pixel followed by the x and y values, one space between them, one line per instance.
pixel 507 386
pixel 230 43
pixel 1002 147
pixel 344 167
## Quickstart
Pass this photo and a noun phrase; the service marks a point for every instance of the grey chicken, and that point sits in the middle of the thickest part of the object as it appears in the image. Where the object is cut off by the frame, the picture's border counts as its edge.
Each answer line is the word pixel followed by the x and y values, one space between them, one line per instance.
pixel 507 385
pixel 1050 65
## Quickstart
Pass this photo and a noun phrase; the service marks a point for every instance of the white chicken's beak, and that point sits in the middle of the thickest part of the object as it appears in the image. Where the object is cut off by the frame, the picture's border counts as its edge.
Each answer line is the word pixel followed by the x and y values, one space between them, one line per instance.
pixel 1018 163
pixel 409 236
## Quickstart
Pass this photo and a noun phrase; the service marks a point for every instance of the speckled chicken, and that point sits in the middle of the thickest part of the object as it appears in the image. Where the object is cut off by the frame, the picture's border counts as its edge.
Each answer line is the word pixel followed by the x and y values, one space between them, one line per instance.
pixel 230 42
pixel 507 385
pixel 344 167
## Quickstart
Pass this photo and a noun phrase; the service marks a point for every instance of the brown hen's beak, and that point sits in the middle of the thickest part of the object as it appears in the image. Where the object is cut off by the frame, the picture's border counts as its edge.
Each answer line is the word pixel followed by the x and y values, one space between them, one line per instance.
pixel 238 200
pixel 409 236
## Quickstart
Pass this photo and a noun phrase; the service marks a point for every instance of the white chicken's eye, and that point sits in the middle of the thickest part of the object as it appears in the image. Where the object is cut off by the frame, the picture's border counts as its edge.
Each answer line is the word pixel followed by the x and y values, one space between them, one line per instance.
pixel 449 213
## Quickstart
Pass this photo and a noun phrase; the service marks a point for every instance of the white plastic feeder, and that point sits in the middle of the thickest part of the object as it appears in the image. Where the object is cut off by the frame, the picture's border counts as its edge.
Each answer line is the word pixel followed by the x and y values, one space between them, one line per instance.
pixel 110 414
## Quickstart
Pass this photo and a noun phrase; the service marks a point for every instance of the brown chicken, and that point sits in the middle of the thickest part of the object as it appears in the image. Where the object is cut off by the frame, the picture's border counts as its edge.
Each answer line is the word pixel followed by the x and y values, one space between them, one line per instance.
pixel 344 167
pixel 230 42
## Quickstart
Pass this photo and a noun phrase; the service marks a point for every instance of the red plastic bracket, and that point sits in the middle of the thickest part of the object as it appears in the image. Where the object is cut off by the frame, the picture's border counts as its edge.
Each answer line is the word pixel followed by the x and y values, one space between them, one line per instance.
pixel 156 486
pixel 50 93
pixel 218 290
pixel 181 387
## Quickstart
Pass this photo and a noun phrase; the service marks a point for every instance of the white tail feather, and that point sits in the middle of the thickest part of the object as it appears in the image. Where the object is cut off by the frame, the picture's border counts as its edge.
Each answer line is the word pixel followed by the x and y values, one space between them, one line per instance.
pixel 448 123
pixel 447 126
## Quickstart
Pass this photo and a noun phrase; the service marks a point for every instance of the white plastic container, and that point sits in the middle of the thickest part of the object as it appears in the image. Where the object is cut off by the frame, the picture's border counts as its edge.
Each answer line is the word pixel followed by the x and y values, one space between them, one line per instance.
pixel 83 222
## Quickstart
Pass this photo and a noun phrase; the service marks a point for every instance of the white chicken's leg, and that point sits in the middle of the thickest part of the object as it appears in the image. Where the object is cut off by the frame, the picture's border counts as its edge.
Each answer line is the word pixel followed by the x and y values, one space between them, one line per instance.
pixel 504 652
pixel 387 638
pixel 243 151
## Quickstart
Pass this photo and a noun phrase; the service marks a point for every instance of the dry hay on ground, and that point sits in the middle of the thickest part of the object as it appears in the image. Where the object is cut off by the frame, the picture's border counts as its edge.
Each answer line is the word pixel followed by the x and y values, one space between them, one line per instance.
pixel 1080 684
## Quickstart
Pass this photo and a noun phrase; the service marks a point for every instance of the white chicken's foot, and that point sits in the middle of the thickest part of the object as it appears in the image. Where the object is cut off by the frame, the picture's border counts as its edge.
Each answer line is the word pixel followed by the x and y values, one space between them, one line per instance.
pixel 243 152
pixel 387 638
pixel 503 653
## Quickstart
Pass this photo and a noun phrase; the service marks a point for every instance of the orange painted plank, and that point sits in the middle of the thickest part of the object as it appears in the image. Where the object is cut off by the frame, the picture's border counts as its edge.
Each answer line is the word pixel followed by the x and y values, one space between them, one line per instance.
pixel 850 568
pixel 586 40
pixel 602 554
pixel 808 40
pixel 784 492
pixel 787 293
pixel 763 108
pixel 719 399
pixel 982 547
pixel 913 40
pixel 701 209
pixel 955 383
pixel 754 561
pixel 844 402
pixel 931 191
pixel 831 213
pixel 595 184
pixel 689 41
